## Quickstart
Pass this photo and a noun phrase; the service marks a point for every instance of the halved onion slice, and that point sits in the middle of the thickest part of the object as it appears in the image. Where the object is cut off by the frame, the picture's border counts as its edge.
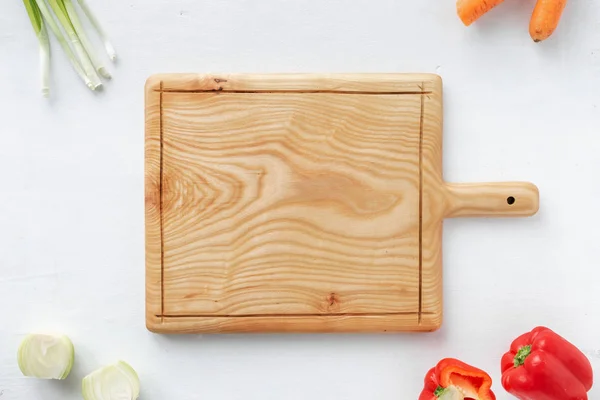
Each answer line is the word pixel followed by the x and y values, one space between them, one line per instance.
pixel 46 356
pixel 113 382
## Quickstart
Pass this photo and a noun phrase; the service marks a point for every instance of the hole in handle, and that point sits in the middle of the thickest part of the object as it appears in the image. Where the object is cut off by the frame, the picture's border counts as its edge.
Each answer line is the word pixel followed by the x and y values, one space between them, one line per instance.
pixel 495 199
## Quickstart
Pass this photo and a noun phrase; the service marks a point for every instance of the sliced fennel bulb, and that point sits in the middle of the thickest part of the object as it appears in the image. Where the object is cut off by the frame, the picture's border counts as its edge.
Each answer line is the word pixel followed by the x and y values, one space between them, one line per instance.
pixel 113 382
pixel 46 356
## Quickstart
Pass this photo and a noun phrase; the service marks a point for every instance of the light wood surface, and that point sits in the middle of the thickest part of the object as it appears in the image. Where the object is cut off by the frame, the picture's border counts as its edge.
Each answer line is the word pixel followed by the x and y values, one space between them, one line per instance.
pixel 301 203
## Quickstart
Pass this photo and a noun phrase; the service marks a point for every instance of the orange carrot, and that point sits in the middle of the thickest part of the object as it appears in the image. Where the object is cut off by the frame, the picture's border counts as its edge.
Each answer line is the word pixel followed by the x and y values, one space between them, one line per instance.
pixel 470 11
pixel 545 18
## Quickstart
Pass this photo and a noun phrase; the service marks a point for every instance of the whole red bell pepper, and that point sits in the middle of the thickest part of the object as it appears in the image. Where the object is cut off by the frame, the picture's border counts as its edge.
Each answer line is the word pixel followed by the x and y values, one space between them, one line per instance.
pixel 541 365
pixel 453 379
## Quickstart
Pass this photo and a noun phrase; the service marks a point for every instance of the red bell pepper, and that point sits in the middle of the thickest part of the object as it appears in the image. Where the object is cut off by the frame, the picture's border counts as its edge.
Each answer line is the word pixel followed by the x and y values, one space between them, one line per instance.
pixel 452 379
pixel 541 365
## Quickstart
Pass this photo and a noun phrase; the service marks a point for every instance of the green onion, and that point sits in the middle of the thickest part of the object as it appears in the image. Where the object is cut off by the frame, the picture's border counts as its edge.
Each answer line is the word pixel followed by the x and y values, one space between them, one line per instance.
pixel 72 14
pixel 58 6
pixel 62 40
pixel 96 24
pixel 62 19
pixel 37 21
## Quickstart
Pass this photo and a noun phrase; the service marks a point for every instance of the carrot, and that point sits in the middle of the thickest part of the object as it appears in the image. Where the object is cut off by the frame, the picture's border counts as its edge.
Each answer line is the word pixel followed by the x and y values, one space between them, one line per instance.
pixel 545 18
pixel 470 11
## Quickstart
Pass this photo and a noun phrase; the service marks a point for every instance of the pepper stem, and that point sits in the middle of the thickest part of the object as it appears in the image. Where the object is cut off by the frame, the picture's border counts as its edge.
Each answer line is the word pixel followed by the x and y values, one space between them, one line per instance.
pixel 439 391
pixel 522 355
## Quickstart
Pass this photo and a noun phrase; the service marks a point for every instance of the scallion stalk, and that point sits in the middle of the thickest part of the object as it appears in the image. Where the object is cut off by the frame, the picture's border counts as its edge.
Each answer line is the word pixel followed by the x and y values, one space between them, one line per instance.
pixel 72 13
pixel 60 11
pixel 37 21
pixel 47 16
pixel 62 19
pixel 110 50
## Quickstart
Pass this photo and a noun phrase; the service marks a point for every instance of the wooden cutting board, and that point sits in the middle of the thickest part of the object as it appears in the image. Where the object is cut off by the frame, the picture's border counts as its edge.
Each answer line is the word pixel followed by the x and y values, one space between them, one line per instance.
pixel 301 203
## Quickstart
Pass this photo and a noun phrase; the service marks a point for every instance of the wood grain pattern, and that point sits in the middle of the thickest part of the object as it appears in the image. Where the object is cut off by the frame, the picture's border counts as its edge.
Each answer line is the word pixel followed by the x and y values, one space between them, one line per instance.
pixel 153 190
pixel 431 210
pixel 301 203
pixel 302 83
pixel 283 201
pixel 366 323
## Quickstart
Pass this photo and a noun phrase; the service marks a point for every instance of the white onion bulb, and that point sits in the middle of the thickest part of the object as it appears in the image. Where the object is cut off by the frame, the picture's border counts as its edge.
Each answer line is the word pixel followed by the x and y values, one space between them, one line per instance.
pixel 46 356
pixel 113 382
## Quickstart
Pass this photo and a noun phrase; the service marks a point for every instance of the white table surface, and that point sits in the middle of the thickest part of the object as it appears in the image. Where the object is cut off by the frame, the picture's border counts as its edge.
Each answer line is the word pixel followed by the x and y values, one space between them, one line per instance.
pixel 72 201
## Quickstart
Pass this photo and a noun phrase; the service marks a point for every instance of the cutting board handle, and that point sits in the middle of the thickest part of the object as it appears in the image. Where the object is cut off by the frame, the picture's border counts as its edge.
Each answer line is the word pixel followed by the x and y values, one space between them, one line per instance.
pixel 502 199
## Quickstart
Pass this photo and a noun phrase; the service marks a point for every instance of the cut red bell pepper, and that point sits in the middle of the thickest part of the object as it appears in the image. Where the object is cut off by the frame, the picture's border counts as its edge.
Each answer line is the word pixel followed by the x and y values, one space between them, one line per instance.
pixel 541 365
pixel 453 379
